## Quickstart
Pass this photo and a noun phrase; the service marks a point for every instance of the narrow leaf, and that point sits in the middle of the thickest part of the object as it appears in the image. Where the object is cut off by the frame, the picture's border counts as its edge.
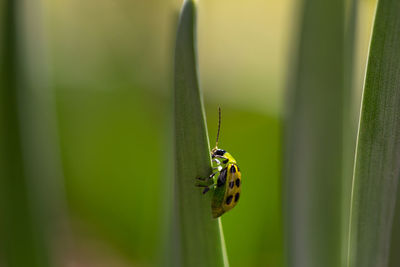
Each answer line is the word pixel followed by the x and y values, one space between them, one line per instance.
pixel 314 138
pixel 30 177
pixel 377 166
pixel 200 236
pixel 22 237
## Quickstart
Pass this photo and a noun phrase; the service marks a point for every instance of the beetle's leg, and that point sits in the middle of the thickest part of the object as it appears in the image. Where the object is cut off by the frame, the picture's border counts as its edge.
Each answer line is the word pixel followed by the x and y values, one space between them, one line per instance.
pixel 224 160
pixel 212 175
pixel 220 157
pixel 205 182
pixel 201 183
pixel 216 161
pixel 208 181
pixel 209 177
pixel 208 188
pixel 219 168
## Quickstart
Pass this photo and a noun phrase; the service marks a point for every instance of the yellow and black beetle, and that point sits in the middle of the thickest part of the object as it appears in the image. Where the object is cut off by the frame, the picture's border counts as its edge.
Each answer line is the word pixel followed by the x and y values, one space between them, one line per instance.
pixel 227 186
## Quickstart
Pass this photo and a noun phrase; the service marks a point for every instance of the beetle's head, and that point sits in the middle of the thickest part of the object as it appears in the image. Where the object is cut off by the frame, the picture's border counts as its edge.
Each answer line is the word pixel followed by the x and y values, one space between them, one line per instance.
pixel 217 152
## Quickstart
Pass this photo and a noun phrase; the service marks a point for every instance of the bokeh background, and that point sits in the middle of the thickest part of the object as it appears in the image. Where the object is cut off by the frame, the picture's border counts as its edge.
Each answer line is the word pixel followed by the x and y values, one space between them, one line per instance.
pixel 111 69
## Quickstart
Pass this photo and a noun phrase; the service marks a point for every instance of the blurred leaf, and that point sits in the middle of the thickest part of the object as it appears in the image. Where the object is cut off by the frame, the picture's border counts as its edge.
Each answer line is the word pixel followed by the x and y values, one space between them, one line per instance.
pixel 30 180
pixel 200 236
pixel 313 139
pixel 377 167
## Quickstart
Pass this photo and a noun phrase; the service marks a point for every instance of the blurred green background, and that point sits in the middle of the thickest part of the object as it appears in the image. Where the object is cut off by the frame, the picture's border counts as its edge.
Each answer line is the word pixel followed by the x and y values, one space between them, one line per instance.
pixel 111 65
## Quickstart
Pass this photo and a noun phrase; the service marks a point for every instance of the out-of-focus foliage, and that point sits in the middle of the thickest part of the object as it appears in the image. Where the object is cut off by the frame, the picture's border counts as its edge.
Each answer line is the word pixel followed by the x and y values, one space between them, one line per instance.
pixel 111 68
pixel 313 148
pixel 32 200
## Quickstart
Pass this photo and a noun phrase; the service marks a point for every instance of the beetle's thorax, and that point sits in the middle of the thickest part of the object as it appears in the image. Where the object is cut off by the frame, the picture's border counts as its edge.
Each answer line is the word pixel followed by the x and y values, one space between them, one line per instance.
pixel 220 153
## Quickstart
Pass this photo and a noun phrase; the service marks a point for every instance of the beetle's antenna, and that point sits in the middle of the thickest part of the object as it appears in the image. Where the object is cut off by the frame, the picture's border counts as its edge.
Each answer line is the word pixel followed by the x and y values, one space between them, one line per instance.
pixel 219 125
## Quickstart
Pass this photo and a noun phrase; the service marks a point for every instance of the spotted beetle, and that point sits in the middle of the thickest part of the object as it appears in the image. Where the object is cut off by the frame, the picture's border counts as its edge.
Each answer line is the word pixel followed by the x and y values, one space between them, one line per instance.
pixel 227 185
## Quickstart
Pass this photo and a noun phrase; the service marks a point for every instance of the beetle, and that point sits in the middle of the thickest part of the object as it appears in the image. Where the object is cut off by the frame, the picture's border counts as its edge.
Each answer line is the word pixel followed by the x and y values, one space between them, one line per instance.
pixel 227 186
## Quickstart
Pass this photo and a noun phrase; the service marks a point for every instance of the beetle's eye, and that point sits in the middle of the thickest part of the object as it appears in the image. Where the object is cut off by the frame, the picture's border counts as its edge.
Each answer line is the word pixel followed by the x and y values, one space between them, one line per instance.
pixel 220 152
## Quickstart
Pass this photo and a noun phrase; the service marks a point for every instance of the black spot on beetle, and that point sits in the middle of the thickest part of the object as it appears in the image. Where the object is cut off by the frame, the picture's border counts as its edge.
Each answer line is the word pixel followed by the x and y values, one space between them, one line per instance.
pixel 225 161
pixel 229 200
pixel 237 197
pixel 233 169
pixel 221 178
pixel 237 182
pixel 231 184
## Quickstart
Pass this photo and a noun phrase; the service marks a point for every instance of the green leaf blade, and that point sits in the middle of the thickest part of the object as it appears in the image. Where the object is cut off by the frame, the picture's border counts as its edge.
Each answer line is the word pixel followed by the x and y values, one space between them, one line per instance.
pixel 201 240
pixel 32 206
pixel 22 238
pixel 377 166
pixel 314 139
